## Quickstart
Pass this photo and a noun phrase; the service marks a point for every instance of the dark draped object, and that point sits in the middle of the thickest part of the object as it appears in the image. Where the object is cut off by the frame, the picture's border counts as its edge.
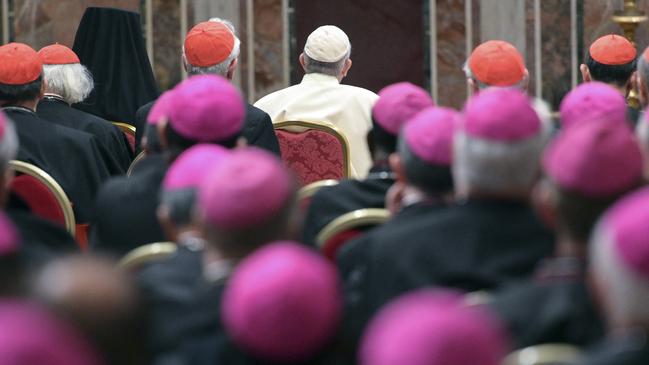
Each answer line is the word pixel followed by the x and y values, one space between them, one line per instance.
pixel 109 42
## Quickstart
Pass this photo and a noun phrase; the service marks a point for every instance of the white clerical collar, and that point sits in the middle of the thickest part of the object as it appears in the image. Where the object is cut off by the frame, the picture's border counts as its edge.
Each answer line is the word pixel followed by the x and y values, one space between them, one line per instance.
pixel 319 78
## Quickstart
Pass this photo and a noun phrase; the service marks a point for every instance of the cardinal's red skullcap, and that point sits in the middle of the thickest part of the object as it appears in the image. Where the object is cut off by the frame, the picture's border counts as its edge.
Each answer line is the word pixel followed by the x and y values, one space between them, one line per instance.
pixel 208 44
pixel 57 54
pixel 612 50
pixel 19 64
pixel 497 63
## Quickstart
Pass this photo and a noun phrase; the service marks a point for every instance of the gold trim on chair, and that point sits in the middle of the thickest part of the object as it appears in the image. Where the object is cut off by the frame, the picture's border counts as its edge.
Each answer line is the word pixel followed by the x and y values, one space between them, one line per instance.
pixel 356 218
pixel 309 190
pixel 125 127
pixel 546 354
pixel 54 187
pixel 137 159
pixel 147 254
pixel 328 128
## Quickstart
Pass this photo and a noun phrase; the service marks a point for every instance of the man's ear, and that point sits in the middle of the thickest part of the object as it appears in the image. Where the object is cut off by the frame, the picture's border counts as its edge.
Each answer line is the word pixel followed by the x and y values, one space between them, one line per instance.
pixel 232 68
pixel 585 73
pixel 526 80
pixel 162 133
pixel 397 166
pixel 348 65
pixel 302 63
pixel 544 201
pixel 631 84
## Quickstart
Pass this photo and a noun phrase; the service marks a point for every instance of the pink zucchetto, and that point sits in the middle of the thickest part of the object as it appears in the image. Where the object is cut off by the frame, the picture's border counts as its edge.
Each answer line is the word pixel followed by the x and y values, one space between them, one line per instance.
pixel 595 160
pixel 193 166
pixel 429 135
pixel 627 221
pixel 247 189
pixel 429 327
pixel 160 108
pixel 592 101
pixel 398 103
pixel 501 115
pixel 9 236
pixel 206 108
pixel 29 335
pixel 283 303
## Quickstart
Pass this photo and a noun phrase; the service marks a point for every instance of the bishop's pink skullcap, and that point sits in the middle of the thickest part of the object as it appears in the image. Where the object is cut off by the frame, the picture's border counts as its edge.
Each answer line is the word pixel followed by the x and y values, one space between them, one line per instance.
pixel 247 189
pixel 283 303
pixel 29 335
pixel 193 166
pixel 9 236
pixel 160 108
pixel 429 135
pixel 501 115
pixel 431 328
pixel 595 159
pixel 592 101
pixel 206 108
pixel 627 221
pixel 398 103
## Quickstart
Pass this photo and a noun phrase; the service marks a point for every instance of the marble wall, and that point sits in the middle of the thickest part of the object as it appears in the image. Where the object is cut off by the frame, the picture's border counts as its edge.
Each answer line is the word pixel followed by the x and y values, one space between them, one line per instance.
pixel 265 62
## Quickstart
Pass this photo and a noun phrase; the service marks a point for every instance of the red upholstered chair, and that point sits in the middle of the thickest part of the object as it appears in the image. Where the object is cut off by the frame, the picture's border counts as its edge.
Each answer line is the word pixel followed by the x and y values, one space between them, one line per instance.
pixel 129 132
pixel 42 194
pixel 348 226
pixel 313 151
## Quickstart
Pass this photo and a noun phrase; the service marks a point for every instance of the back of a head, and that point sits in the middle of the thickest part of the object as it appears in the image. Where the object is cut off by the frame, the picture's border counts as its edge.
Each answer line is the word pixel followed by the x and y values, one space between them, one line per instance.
pixel 98 299
pixel 498 144
pixel 247 201
pixel 432 328
pixel 496 63
pixel 425 148
pixel 397 104
pixel 20 74
pixel 300 309
pixel 29 335
pixel 183 179
pixel 611 59
pixel 195 115
pixel 326 50
pixel 590 166
pixel 64 75
pixel 620 261
pixel 210 47
pixel 592 102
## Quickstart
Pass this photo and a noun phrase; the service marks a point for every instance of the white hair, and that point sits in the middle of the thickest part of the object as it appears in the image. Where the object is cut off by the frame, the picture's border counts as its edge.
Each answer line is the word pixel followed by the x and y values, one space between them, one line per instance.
pixel 626 293
pixel 481 85
pixel 220 68
pixel 496 167
pixel 73 82
pixel 327 68
pixel 8 145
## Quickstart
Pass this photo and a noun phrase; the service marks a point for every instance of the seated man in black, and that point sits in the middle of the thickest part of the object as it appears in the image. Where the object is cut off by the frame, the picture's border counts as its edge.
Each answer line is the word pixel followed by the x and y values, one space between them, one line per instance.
pixel 587 168
pixel 73 158
pixel 396 105
pixel 126 207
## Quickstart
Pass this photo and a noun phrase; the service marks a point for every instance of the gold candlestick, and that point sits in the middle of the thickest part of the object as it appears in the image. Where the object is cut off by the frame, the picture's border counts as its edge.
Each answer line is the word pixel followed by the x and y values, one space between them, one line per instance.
pixel 628 19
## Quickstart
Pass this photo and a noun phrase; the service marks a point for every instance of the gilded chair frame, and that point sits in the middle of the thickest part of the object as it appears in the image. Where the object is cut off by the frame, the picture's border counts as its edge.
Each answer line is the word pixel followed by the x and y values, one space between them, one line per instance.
pixel 137 159
pixel 353 219
pixel 146 254
pixel 327 128
pixel 544 354
pixel 309 190
pixel 125 127
pixel 53 186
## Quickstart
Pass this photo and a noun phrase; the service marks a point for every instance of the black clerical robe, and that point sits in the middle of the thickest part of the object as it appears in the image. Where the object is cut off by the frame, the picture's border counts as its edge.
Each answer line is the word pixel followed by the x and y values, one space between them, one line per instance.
pixel 109 136
pixel 631 348
pixel 554 307
pixel 474 245
pixel 73 158
pixel 257 129
pixel 333 201
pixel 125 215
